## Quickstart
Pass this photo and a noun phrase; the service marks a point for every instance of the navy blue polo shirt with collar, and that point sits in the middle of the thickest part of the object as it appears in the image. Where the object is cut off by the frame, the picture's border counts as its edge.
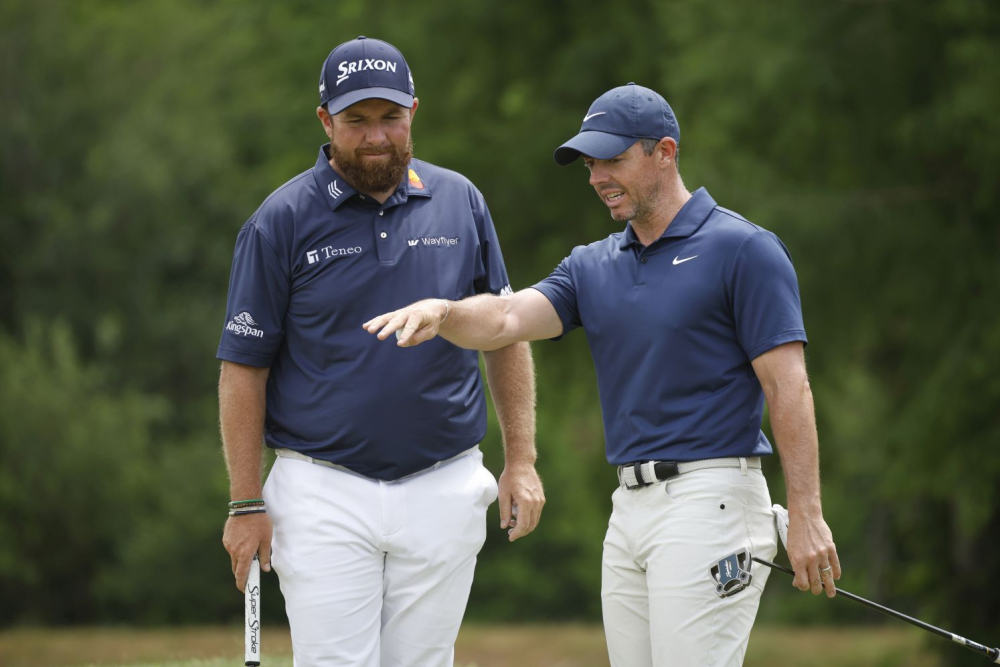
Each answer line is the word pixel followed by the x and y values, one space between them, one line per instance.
pixel 673 327
pixel 316 261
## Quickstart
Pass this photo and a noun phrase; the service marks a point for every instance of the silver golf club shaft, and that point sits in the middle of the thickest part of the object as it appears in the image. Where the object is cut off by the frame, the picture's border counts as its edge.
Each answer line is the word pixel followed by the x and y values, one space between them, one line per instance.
pixel 991 653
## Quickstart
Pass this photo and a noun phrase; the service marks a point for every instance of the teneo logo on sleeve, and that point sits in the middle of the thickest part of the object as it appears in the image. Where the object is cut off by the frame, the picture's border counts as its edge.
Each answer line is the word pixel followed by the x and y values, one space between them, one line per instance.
pixel 244 325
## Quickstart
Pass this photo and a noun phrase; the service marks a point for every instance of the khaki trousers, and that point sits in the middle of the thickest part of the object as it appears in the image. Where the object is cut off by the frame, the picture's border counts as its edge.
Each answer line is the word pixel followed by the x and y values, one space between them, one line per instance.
pixel 659 601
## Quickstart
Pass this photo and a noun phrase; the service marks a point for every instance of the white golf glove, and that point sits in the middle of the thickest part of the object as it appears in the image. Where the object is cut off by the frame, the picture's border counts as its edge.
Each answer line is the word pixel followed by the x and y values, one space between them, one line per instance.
pixel 781 520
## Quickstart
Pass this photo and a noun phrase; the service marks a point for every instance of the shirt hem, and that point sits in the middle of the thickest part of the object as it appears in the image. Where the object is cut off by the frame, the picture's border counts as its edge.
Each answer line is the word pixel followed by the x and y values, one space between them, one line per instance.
pixel 373 470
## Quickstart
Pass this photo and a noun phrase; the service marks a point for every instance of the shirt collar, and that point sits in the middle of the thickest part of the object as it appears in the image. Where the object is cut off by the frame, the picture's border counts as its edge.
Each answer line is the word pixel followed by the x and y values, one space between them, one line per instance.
pixel 335 189
pixel 415 186
pixel 685 223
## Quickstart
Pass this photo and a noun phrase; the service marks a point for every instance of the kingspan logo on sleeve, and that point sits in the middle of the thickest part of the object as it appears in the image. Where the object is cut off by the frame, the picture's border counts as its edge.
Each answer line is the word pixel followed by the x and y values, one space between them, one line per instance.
pixel 244 325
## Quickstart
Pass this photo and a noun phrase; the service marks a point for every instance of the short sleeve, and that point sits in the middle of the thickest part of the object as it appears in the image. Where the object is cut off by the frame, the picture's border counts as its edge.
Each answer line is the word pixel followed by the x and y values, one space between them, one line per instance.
pixel 491 273
pixel 257 302
pixel 560 290
pixel 765 295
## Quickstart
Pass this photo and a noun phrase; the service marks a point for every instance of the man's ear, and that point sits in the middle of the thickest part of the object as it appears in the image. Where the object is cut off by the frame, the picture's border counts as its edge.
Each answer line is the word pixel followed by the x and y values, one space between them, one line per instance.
pixel 667 149
pixel 326 119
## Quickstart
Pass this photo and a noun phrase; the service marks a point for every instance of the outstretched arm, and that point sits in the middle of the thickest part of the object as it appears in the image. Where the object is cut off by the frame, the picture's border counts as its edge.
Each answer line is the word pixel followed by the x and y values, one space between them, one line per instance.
pixel 482 322
pixel 782 374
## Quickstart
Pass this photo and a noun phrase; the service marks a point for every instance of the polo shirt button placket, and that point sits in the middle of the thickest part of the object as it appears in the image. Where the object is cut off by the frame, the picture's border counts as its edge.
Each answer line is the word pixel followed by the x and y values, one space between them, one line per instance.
pixel 639 277
pixel 383 235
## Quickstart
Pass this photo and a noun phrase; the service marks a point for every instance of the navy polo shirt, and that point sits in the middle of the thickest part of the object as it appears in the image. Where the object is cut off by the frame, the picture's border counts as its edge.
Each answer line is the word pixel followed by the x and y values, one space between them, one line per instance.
pixel 673 327
pixel 316 261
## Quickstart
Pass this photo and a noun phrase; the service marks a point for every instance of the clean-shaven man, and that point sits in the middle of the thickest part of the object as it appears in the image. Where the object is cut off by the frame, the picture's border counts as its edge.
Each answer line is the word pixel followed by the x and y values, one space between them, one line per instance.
pixel 693 318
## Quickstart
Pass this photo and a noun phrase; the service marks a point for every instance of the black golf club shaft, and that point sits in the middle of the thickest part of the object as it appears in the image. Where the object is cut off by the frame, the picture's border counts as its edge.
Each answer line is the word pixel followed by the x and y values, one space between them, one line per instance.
pixel 991 653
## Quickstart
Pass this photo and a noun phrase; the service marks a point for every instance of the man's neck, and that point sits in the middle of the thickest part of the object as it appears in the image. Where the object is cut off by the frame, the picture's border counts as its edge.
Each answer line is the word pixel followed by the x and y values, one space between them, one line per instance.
pixel 380 197
pixel 652 227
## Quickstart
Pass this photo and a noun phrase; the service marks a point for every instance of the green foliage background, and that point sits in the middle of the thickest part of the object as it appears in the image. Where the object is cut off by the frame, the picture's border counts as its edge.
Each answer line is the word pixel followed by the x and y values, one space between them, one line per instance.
pixel 136 138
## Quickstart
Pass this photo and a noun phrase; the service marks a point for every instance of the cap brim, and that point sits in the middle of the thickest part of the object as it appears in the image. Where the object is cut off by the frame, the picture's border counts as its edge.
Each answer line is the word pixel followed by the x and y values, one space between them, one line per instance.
pixel 599 145
pixel 340 103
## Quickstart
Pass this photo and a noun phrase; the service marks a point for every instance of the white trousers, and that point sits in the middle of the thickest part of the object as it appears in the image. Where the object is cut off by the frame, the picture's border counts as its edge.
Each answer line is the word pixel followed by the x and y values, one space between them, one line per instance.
pixel 659 601
pixel 376 574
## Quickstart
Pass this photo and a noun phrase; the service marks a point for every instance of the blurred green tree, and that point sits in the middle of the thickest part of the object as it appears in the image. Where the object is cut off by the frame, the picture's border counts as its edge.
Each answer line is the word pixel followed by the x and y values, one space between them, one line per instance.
pixel 137 138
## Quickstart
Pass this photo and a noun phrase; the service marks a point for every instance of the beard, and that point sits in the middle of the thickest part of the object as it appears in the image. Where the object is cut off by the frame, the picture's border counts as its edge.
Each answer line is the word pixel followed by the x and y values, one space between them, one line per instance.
pixel 644 204
pixel 378 176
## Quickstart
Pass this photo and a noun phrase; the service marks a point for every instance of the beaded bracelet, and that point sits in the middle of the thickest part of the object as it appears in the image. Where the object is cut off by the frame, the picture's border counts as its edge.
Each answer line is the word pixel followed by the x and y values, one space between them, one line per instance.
pixel 246 503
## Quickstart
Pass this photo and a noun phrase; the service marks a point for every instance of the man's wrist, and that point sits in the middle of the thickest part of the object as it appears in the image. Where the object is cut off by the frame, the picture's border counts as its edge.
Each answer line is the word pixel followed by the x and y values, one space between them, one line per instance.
pixel 520 461
pixel 447 309
pixel 237 494
pixel 805 507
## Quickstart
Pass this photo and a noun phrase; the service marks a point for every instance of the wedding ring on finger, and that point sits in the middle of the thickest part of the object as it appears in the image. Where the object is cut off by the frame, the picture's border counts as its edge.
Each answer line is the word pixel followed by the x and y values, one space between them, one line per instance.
pixel 824 570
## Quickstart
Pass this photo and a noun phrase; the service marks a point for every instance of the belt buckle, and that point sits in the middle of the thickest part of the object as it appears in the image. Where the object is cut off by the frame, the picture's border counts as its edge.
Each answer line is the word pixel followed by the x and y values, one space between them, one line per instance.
pixel 636 468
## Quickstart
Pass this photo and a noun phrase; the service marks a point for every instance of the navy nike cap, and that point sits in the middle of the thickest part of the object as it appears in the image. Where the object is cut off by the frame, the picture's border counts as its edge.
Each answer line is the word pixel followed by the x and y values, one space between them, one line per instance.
pixel 362 69
pixel 616 120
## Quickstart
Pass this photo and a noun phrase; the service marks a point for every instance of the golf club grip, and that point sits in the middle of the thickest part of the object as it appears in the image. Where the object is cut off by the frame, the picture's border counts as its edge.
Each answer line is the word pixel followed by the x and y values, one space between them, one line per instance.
pixel 992 653
pixel 251 636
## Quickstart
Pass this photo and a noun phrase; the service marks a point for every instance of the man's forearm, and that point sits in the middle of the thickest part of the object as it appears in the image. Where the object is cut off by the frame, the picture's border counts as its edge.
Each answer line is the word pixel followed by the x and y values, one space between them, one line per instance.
pixel 479 323
pixel 793 422
pixel 482 322
pixel 511 376
pixel 242 399
pixel 811 551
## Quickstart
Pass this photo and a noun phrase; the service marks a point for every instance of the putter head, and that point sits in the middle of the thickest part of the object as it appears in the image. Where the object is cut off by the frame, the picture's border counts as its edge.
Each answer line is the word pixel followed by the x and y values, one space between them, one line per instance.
pixel 732 573
pixel 781 520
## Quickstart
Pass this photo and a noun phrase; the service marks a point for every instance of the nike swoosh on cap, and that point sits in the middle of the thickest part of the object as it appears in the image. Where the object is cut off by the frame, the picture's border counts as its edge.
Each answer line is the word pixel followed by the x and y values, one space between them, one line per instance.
pixel 599 113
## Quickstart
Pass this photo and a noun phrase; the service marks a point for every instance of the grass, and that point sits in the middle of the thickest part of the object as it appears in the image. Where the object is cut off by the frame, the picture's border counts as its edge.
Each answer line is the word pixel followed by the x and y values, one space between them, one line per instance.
pixel 478 646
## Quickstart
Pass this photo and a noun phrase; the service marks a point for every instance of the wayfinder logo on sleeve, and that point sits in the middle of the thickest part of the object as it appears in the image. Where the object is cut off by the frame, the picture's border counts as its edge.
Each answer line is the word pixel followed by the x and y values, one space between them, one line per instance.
pixel 244 325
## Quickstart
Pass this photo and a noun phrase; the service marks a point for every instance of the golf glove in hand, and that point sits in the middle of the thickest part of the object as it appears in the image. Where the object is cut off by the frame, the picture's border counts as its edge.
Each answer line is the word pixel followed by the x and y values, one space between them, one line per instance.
pixel 781 519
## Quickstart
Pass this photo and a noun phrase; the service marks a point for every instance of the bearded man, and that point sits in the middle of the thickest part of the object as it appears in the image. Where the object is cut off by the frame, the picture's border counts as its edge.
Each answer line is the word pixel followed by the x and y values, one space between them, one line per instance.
pixel 374 510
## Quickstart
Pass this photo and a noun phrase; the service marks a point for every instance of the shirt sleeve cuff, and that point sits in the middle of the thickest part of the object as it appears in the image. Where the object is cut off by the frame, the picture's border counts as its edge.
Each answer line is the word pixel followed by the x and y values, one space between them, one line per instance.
pixel 774 341
pixel 561 310
pixel 245 358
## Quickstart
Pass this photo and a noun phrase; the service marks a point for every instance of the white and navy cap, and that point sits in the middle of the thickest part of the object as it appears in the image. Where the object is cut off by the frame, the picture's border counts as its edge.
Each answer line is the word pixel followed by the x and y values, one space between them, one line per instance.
pixel 616 120
pixel 362 69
